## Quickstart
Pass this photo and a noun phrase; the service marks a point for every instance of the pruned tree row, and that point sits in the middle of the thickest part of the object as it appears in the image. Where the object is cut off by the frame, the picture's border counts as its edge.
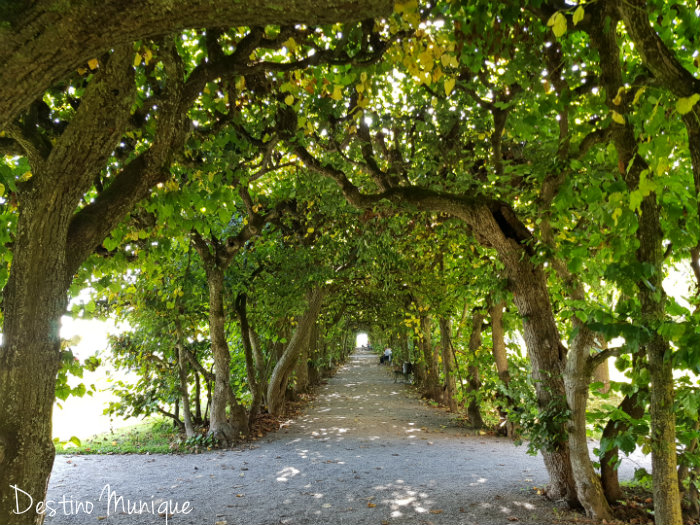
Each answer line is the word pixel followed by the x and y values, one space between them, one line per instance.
pixel 503 192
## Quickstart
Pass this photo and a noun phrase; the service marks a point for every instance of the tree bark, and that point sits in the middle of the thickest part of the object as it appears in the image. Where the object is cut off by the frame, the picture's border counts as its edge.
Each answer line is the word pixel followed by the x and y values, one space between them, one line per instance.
pixel 280 374
pixel 223 430
pixel 47 40
pixel 448 363
pixel 500 357
pixel 184 393
pixel 608 463
pixel 577 380
pixel 473 407
pixel 250 364
pixel 34 300
pixel 431 384
pixel 667 504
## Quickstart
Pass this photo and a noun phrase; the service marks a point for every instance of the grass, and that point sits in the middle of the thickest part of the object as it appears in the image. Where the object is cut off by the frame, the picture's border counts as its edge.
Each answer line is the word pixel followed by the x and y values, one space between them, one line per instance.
pixel 153 436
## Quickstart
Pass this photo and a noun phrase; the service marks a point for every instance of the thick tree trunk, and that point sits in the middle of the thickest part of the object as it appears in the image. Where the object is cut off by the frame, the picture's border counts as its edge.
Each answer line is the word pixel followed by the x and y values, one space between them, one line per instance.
pixel 280 374
pixel 473 407
pixel 547 356
pixel 223 430
pixel 577 379
pixel 34 300
pixel 448 363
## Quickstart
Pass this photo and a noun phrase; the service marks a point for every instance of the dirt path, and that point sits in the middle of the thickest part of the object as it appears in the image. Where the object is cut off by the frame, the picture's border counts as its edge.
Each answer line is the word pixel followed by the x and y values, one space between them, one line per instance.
pixel 366 452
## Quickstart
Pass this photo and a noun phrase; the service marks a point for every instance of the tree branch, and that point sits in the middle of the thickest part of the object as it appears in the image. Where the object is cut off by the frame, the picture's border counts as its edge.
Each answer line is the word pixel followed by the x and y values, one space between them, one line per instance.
pixel 44 46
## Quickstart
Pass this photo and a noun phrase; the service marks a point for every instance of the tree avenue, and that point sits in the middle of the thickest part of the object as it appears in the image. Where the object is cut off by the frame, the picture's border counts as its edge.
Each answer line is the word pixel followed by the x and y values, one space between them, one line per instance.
pixel 249 187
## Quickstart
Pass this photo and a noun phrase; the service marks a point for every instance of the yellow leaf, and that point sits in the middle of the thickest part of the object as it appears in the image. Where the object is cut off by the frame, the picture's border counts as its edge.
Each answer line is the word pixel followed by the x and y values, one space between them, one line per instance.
pixel 291 44
pixel 579 14
pixel 93 63
pixel 426 59
pixel 618 98
pixel 363 77
pixel 240 83
pixel 449 85
pixel 2 190
pixel 310 230
pixel 82 71
pixel 337 92
pixel 289 100
pixel 137 59
pixel 685 105
pixel 638 94
pixel 558 23
pixel 147 56
pixel 371 505
pixel 618 118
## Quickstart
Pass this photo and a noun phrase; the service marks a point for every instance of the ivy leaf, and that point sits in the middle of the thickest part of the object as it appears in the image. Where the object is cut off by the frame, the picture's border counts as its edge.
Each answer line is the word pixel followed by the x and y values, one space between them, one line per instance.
pixel 93 63
pixel 449 85
pixel 558 23
pixel 578 14
pixel 685 105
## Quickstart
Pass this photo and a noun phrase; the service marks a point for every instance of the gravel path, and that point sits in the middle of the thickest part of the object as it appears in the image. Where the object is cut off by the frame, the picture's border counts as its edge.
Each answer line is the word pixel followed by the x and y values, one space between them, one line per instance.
pixel 367 451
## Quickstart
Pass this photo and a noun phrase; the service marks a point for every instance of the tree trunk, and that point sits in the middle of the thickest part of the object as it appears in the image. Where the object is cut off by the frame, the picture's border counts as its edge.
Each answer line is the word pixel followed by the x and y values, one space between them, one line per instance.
pixel 448 363
pixel 577 380
pixel 500 356
pixel 197 398
pixel 219 425
pixel 280 374
pixel 250 361
pixel 602 375
pixel 473 408
pixel 608 463
pixel 301 369
pixel 34 300
pixel 184 393
pixel 431 383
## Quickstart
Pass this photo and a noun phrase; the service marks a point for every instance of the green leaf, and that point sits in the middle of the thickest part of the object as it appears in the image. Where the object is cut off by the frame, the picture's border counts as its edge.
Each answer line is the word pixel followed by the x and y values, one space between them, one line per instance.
pixel 579 14
pixel 685 105
pixel 75 440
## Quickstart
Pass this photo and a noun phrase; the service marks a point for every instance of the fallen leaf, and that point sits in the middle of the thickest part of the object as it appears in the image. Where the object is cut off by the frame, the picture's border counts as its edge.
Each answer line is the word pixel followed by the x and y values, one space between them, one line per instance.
pixel 371 505
pixel 436 511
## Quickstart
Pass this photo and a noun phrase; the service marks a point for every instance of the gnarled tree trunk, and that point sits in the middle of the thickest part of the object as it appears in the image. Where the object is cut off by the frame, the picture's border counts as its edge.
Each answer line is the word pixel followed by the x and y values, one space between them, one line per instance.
pixel 220 427
pixel 280 374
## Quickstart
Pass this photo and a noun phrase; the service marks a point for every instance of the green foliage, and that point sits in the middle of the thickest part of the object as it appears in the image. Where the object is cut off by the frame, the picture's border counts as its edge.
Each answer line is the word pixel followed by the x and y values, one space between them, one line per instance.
pixel 153 436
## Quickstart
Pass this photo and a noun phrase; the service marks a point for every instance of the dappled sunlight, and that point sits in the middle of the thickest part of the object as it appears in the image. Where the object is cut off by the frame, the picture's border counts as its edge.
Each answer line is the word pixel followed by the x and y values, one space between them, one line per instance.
pixel 286 473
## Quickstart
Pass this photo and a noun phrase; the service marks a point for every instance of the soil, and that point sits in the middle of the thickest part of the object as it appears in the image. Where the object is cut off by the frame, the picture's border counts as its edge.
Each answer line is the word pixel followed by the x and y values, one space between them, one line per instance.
pixel 366 450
